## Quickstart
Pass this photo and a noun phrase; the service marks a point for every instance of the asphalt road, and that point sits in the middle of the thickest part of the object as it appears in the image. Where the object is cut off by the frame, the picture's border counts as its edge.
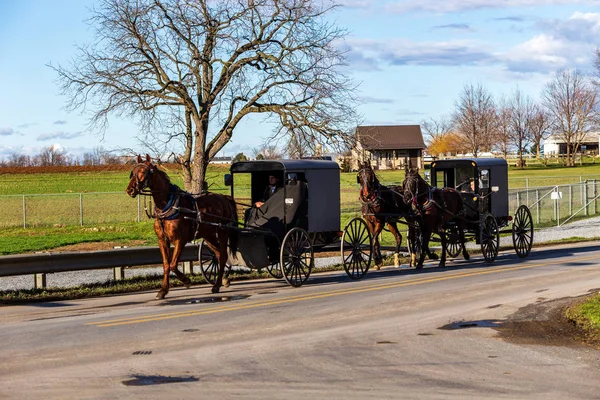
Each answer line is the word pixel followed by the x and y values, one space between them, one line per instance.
pixel 397 333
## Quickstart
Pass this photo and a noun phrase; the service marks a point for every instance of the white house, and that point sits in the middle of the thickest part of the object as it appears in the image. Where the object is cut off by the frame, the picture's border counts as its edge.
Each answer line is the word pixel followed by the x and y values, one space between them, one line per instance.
pixel 554 145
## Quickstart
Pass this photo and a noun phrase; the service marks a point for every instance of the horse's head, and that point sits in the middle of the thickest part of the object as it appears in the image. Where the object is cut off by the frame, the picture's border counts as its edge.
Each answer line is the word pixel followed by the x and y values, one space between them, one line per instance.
pixel 367 180
pixel 140 176
pixel 413 185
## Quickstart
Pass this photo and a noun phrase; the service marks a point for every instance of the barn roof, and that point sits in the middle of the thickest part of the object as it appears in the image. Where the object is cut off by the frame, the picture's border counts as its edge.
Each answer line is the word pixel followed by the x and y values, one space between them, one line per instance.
pixel 388 137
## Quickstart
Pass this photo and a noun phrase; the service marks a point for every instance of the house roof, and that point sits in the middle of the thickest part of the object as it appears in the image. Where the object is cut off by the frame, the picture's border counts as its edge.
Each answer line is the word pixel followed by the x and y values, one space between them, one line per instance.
pixel 388 137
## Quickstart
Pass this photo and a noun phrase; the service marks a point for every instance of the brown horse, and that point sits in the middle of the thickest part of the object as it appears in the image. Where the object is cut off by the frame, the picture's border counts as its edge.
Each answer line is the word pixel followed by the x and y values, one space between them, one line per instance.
pixel 381 205
pixel 437 208
pixel 181 218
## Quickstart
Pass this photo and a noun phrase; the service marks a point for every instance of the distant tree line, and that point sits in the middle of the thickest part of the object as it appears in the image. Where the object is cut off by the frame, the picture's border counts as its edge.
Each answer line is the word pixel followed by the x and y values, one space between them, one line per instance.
pixel 53 156
pixel 568 106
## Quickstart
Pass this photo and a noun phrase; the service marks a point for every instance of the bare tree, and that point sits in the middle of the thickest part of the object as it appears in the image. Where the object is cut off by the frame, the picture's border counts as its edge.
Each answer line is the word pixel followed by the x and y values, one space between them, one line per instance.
pixel 572 102
pixel 19 160
pixel 433 129
pixel 539 125
pixel 474 118
pixel 267 151
pixel 502 139
pixel 192 70
pixel 298 146
pixel 521 112
pixel 52 156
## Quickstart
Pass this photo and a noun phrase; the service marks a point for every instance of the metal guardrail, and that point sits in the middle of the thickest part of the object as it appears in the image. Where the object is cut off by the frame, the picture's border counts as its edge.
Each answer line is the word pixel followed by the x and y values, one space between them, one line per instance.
pixel 25 264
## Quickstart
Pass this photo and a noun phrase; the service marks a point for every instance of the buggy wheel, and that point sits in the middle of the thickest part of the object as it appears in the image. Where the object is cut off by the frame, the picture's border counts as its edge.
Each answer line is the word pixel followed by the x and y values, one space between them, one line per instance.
pixel 415 247
pixel 297 257
pixel 453 245
pixel 357 245
pixel 209 263
pixel 522 231
pixel 275 270
pixel 490 238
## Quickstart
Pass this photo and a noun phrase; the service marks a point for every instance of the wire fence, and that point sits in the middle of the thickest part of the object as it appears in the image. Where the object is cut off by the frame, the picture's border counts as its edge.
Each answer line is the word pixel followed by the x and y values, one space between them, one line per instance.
pixel 549 205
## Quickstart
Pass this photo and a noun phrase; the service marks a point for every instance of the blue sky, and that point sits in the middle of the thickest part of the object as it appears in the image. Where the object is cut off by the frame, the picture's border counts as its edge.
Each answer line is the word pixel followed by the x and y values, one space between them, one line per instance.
pixel 411 58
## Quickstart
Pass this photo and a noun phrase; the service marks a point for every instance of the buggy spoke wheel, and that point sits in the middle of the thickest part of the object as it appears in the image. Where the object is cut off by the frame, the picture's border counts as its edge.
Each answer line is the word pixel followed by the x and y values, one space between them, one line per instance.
pixel 356 248
pixel 522 231
pixel 453 246
pixel 275 270
pixel 209 263
pixel 490 238
pixel 297 257
pixel 415 247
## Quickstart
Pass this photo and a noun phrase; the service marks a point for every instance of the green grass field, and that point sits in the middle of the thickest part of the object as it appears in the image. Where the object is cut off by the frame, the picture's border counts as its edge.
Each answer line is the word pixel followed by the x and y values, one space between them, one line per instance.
pixel 70 208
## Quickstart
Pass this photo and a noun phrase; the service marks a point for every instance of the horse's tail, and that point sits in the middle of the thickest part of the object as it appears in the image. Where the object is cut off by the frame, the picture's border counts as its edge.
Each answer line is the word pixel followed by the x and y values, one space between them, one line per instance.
pixel 234 233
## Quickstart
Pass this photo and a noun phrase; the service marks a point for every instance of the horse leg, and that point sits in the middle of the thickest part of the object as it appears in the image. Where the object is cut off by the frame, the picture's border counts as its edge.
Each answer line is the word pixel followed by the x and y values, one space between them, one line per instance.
pixel 222 257
pixel 177 249
pixel 412 237
pixel 461 233
pixel 442 234
pixel 165 252
pixel 398 236
pixel 425 249
pixel 377 246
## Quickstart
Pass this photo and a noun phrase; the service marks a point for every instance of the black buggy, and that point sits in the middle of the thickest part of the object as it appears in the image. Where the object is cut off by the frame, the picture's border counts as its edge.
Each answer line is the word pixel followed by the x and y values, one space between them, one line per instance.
pixel 283 234
pixel 483 184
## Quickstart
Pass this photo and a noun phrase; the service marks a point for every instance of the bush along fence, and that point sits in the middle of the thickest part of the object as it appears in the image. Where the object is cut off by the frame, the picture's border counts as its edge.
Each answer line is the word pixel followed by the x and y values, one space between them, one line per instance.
pixel 549 205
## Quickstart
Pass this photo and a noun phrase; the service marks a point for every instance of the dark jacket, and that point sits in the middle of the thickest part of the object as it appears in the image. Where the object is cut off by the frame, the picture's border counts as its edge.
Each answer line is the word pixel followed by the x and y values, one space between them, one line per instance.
pixel 269 190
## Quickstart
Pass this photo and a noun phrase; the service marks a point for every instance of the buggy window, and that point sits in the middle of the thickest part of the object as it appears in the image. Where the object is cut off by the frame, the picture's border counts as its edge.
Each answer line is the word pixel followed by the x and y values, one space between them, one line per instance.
pixel 484 179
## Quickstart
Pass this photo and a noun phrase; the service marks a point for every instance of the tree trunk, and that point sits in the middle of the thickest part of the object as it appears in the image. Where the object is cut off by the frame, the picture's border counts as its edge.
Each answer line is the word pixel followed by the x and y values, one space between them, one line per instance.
pixel 199 167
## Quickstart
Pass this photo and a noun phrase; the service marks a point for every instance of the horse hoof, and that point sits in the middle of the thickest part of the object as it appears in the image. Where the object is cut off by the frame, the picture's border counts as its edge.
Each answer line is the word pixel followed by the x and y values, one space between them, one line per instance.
pixel 466 257
pixel 161 294
pixel 419 267
pixel 433 256
pixel 215 289
pixel 376 267
pixel 187 283
pixel 226 282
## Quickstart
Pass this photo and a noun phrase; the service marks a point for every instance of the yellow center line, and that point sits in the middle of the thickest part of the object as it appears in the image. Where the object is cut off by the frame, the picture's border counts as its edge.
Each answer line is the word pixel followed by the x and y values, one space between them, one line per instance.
pixel 332 293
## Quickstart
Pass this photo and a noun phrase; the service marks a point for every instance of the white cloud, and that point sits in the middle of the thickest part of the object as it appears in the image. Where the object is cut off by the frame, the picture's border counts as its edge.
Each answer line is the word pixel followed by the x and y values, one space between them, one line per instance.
pixel 406 52
pixel 364 4
pixel 59 135
pixel 450 6
pixel 7 131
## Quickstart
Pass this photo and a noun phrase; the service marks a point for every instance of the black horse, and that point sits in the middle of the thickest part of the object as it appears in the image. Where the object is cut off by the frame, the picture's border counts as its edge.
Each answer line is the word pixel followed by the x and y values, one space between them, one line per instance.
pixel 437 208
pixel 381 205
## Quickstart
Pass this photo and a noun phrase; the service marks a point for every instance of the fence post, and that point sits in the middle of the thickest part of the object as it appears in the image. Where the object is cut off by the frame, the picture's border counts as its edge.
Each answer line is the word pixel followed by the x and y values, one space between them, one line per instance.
pixel 119 273
pixel 80 209
pixel 570 200
pixel 594 193
pixel 187 267
pixel 585 197
pixel 39 281
pixel 558 211
pixel 24 212
pixel 527 193
pixel 537 205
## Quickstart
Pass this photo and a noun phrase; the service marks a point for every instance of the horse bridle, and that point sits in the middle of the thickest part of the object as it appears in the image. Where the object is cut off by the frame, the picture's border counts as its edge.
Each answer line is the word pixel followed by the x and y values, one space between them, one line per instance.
pixel 373 196
pixel 141 185
pixel 413 196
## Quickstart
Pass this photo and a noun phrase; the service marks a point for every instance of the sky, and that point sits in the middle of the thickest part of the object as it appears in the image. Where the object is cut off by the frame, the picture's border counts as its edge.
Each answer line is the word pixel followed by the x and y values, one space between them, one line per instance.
pixel 410 58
